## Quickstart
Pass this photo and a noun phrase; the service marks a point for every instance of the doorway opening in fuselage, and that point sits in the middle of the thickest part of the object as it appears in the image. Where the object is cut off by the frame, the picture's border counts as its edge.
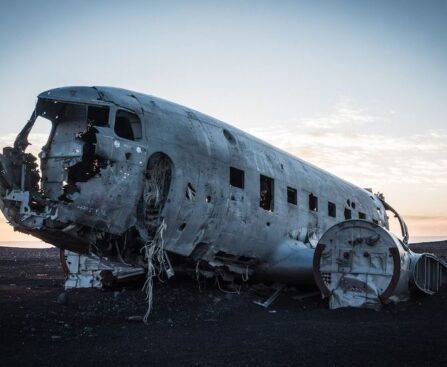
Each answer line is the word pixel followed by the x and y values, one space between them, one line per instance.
pixel 156 190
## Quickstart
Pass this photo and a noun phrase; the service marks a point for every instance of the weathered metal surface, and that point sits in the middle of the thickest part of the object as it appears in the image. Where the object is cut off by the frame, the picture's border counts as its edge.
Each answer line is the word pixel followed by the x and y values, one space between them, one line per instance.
pixel 118 164
pixel 93 272
pixel 358 263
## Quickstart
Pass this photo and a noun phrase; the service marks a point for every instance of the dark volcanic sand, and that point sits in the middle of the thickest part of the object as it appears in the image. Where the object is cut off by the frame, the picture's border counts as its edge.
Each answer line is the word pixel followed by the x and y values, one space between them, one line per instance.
pixel 191 327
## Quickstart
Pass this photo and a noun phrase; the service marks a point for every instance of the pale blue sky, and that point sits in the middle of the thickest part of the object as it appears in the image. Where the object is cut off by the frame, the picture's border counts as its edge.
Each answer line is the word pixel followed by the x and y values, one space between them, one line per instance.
pixel 353 85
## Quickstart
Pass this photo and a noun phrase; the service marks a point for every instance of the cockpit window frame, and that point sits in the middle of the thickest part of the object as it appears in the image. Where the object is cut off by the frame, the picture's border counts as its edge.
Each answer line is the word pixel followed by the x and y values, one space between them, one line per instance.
pixel 113 117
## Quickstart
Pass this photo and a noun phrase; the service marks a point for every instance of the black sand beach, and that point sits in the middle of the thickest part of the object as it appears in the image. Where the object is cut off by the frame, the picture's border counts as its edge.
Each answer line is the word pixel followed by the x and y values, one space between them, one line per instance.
pixel 206 327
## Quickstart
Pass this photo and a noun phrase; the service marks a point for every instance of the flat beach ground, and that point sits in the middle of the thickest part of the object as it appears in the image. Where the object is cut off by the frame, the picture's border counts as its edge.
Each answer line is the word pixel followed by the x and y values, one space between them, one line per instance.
pixel 206 327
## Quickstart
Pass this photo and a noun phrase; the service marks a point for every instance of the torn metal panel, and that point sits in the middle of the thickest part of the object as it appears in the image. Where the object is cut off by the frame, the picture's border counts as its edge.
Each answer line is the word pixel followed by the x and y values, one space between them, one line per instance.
pixel 93 272
pixel 360 264
pixel 120 165
pixel 272 298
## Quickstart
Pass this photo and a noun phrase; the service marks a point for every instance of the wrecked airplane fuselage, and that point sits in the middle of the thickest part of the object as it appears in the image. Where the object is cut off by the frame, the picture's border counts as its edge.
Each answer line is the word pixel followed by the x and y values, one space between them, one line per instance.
pixel 131 177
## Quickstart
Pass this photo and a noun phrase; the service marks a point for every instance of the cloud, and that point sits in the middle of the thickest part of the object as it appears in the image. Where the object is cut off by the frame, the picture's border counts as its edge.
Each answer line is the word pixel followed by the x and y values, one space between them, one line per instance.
pixel 427 225
pixel 411 166
pixel 423 218
pixel 7 139
pixel 343 114
pixel 367 159
pixel 37 140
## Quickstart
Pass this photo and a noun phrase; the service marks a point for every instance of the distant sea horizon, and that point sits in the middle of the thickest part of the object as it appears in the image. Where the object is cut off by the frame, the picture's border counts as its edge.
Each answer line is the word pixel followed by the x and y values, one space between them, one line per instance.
pixel 420 239
pixel 25 244
pixel 41 244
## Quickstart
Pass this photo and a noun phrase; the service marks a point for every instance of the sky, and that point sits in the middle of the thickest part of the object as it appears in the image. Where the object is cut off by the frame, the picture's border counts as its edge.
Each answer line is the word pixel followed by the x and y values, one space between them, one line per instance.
pixel 358 88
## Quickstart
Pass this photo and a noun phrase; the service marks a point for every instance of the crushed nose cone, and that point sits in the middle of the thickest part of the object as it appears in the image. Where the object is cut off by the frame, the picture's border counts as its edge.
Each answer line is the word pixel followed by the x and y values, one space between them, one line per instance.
pixel 360 264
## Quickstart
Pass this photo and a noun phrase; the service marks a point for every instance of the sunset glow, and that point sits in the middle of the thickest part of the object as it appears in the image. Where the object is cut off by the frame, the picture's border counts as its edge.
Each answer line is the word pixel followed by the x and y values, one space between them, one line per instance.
pixel 356 89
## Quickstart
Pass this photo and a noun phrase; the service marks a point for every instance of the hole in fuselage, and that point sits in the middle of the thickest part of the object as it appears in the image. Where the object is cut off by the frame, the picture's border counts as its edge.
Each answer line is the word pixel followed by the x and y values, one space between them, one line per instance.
pixel 70 147
pixel 190 192
pixel 156 191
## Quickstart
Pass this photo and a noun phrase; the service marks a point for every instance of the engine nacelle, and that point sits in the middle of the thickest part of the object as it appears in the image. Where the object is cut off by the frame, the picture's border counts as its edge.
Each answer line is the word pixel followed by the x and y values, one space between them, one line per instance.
pixel 360 264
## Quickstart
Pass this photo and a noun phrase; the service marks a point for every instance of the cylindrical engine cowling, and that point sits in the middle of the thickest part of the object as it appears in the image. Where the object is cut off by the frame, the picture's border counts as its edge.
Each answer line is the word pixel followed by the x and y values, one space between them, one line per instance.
pixel 360 264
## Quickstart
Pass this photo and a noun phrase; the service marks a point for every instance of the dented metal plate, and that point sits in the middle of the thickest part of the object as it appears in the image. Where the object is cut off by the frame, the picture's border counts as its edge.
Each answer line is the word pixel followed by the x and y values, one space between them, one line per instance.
pixel 138 180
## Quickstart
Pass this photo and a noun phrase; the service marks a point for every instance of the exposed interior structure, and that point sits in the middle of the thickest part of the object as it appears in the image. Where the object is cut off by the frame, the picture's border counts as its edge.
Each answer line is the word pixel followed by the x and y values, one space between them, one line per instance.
pixel 360 264
pixel 266 193
pixel 145 183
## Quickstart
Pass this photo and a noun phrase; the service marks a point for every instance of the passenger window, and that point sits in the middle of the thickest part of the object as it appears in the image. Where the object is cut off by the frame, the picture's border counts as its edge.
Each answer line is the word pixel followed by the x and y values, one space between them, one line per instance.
pixel 313 203
pixel 236 177
pixel 292 196
pixel 128 125
pixel 331 209
pixel 348 214
pixel 98 116
pixel 266 193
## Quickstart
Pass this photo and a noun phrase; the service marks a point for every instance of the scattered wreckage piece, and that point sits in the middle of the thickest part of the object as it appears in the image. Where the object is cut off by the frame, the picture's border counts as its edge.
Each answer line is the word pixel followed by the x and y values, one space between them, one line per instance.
pixel 272 298
pixel 138 180
pixel 360 264
pixel 91 271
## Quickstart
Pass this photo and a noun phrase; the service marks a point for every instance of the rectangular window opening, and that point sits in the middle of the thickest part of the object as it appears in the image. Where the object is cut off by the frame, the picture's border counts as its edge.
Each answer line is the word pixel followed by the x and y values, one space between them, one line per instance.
pixel 266 193
pixel 292 196
pixel 348 214
pixel 362 215
pixel 237 177
pixel 313 203
pixel 331 209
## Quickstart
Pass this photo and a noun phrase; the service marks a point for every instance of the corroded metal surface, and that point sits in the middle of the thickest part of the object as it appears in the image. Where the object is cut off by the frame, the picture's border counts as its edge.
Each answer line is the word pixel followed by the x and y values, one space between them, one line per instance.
pixel 118 164
pixel 358 263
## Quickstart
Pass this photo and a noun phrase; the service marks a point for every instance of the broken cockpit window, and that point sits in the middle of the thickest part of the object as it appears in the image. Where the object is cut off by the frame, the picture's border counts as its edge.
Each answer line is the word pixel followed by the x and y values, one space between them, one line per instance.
pixel 69 157
pixel 128 125
pixel 98 116
pixel 41 133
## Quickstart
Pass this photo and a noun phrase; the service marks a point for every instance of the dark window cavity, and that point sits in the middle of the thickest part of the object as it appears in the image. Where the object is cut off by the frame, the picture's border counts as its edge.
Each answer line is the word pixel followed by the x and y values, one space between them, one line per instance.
pixel 292 196
pixel 353 205
pixel 98 116
pixel 266 193
pixel 236 177
pixel 331 209
pixel 313 203
pixel 348 214
pixel 128 125
pixel 362 215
